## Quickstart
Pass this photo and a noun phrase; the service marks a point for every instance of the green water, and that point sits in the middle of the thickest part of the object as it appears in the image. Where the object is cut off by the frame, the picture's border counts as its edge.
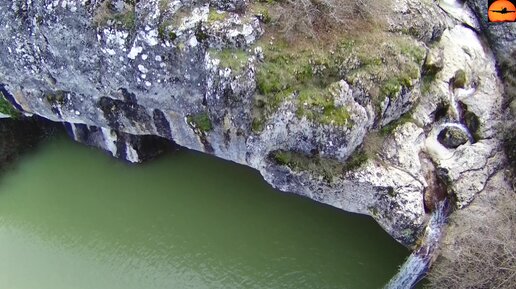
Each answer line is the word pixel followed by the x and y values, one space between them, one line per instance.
pixel 71 218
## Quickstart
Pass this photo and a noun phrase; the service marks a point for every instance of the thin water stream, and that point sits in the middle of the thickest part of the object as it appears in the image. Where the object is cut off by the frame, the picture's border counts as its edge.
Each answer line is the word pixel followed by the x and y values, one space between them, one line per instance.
pixel 418 263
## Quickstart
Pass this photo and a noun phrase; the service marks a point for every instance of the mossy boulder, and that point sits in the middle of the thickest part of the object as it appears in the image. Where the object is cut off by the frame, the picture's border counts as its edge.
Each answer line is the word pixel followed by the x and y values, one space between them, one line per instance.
pixel 452 137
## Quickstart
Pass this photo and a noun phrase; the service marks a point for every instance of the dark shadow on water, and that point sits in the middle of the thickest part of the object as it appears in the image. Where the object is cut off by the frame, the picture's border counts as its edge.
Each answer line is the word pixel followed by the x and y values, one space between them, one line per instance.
pixel 20 136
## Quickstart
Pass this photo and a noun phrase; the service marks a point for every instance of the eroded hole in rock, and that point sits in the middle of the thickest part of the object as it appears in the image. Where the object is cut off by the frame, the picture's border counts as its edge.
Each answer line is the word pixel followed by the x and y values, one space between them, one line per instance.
pixel 441 111
pixel 436 189
pixel 471 121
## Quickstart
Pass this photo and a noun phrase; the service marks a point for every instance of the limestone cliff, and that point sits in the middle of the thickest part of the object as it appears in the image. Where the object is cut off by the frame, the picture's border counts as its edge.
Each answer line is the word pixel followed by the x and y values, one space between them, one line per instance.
pixel 395 121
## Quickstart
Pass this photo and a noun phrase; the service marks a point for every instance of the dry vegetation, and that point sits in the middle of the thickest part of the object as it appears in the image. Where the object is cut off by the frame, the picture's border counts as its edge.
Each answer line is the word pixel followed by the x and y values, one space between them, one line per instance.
pixel 487 256
pixel 322 19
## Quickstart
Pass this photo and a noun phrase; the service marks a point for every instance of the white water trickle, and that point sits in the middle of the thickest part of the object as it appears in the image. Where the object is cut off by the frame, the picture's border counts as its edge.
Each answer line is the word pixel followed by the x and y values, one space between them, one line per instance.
pixel 417 264
pixel 74 131
pixel 454 107
pixel 109 141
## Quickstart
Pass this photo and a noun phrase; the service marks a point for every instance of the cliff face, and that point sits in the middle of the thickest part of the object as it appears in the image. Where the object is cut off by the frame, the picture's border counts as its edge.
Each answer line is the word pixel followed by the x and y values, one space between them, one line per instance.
pixel 405 119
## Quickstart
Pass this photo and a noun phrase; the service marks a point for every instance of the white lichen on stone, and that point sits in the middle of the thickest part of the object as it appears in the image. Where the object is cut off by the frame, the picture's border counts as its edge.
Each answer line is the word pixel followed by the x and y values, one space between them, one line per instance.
pixel 135 50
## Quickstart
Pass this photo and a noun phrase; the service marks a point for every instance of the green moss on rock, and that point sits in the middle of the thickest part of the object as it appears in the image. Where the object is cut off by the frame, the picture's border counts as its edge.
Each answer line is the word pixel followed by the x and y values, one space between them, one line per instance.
pixel 306 73
pixel 318 105
pixel 7 108
pixel 261 10
pixel 389 128
pixel 426 83
pixel 317 165
pixel 235 59
pixel 165 32
pixel 171 20
pixel 200 121
pixel 459 80
pixel 382 65
pixel 216 16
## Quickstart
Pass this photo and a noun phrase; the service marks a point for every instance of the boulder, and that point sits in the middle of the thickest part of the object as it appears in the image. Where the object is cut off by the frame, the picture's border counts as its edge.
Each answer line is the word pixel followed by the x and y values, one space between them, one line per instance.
pixel 452 137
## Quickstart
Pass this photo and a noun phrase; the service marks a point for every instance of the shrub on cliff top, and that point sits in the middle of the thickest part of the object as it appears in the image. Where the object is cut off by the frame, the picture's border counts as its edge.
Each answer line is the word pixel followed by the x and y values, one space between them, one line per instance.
pixel 320 18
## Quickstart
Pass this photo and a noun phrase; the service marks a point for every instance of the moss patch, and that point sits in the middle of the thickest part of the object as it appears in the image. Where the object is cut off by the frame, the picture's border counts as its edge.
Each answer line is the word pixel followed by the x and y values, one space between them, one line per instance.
pixel 380 64
pixel 459 80
pixel 426 83
pixel 317 165
pixel 287 71
pixel 165 32
pixel 318 105
pixel 235 59
pixel 390 127
pixel 200 121
pixel 261 10
pixel 215 16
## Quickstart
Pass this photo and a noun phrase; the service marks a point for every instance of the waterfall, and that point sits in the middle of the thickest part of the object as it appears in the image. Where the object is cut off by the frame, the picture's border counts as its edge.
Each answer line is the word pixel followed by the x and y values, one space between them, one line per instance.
pixel 454 106
pixel 417 264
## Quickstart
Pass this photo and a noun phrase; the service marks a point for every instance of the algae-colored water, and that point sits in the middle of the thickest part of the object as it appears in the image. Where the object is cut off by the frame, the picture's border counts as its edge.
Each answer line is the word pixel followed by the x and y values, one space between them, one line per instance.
pixel 72 218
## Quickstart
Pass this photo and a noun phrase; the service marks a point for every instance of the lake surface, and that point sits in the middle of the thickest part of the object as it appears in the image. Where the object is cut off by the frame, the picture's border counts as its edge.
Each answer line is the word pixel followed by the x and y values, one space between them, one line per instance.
pixel 71 217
